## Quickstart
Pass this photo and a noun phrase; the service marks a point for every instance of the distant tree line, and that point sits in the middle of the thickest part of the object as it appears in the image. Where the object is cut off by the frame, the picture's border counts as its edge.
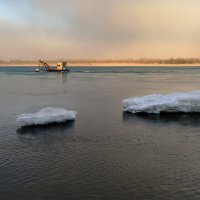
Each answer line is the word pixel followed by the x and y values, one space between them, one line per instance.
pixel 127 60
pixel 169 61
pixel 140 61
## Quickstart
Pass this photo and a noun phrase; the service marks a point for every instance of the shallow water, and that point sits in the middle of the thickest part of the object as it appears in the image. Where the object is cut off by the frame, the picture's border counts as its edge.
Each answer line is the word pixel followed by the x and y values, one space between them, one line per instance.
pixel 105 153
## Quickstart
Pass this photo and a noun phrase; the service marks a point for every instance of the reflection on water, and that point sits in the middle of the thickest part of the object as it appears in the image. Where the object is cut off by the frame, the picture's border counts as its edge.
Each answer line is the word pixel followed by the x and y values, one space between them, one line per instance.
pixel 49 129
pixel 52 136
pixel 62 76
pixel 185 119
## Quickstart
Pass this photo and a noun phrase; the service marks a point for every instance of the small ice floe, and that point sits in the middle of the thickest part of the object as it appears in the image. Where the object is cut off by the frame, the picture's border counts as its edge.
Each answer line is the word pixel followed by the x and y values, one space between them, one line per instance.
pixel 46 116
pixel 156 103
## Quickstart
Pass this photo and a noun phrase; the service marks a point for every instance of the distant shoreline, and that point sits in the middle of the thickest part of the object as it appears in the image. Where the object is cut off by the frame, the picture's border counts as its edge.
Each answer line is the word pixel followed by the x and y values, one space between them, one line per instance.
pixel 142 62
pixel 102 65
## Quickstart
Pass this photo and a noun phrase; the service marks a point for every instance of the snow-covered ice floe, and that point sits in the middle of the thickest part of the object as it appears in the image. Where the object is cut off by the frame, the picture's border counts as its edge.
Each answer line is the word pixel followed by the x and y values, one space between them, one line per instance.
pixel 46 116
pixel 156 103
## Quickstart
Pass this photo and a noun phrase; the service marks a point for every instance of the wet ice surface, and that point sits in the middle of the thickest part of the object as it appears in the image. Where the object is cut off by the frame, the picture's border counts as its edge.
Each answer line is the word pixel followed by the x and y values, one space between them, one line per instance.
pixel 156 103
pixel 46 116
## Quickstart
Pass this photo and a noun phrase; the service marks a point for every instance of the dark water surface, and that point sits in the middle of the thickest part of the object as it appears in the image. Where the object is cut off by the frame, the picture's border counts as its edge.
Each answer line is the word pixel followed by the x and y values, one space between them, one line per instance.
pixel 104 154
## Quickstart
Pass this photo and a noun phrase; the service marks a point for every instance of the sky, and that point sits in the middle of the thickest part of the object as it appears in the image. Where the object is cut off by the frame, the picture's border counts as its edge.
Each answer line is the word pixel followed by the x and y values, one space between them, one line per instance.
pixel 99 29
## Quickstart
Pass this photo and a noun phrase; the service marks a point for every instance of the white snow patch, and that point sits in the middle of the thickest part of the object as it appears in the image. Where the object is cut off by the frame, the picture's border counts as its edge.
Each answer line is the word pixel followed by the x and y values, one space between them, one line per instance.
pixel 46 116
pixel 156 103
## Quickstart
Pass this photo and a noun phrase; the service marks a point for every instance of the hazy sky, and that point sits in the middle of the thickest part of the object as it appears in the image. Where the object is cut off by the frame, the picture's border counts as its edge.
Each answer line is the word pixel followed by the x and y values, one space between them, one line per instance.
pixel 49 29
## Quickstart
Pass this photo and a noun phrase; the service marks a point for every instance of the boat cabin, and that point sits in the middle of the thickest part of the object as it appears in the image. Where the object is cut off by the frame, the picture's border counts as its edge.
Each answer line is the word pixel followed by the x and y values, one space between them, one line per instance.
pixel 60 65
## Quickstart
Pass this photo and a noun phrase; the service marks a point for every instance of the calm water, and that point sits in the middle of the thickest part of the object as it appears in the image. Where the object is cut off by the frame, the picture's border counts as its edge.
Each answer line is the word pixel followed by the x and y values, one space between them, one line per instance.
pixel 104 154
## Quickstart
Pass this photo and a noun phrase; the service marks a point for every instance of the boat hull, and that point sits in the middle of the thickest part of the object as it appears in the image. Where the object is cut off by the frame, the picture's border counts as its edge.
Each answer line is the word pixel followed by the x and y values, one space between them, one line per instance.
pixel 52 70
pixel 55 70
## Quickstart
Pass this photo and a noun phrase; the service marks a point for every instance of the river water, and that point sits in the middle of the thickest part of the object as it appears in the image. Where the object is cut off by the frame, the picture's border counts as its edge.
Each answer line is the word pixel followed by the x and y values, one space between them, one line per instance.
pixel 105 153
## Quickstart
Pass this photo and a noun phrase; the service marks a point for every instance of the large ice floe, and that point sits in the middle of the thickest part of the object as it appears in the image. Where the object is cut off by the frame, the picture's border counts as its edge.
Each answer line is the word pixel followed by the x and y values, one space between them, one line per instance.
pixel 46 116
pixel 156 103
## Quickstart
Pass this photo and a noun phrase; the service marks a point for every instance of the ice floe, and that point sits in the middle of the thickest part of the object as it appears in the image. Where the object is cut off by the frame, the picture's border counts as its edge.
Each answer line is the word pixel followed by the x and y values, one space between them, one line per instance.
pixel 155 103
pixel 46 116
